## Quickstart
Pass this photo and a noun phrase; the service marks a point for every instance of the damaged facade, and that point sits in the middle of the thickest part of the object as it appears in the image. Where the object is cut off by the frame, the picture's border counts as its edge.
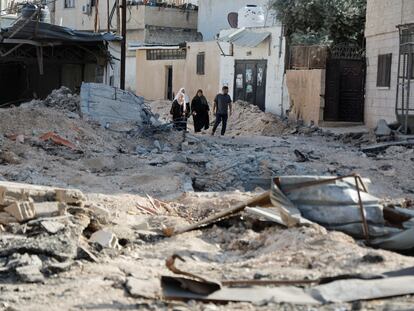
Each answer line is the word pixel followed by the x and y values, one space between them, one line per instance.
pixel 38 57
pixel 146 25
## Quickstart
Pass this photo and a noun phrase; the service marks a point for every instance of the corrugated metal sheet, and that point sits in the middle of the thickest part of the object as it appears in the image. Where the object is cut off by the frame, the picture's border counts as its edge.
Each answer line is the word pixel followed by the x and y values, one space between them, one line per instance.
pixel 246 38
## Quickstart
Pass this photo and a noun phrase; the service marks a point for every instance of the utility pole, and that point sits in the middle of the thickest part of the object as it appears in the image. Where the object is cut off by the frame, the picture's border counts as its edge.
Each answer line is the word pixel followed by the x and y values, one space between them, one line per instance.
pixel 123 45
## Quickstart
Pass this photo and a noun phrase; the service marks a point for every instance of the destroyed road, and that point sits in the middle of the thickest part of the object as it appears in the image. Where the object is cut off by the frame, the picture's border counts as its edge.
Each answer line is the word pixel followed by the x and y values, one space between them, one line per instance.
pixel 104 248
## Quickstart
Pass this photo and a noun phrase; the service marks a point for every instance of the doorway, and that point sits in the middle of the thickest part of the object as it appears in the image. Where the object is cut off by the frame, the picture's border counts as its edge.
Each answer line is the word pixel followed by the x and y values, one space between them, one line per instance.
pixel 169 83
pixel 345 85
pixel 250 82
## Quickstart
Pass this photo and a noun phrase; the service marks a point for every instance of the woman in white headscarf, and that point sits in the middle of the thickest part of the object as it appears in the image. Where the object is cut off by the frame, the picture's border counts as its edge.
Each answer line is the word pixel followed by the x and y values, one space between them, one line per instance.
pixel 180 111
pixel 186 98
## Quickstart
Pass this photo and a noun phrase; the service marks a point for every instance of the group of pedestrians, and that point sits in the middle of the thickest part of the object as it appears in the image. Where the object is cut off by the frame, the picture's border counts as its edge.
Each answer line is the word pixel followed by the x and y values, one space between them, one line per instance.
pixel 199 109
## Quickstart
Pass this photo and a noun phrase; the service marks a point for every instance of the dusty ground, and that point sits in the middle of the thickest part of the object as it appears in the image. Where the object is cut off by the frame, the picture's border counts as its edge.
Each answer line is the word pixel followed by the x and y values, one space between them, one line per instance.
pixel 119 169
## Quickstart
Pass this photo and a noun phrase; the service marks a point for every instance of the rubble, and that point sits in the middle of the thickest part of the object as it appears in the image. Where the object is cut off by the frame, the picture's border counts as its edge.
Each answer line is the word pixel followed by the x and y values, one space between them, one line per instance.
pixel 21 211
pixel 104 238
pixel 138 180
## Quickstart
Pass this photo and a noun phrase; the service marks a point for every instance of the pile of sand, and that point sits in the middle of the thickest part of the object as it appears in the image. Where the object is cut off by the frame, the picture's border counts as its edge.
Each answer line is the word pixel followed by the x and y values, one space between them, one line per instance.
pixel 248 120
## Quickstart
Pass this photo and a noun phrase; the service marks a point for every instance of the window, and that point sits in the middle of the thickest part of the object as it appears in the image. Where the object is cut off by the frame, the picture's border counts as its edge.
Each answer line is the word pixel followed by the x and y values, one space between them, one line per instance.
pixel 384 70
pixel 200 63
pixel 166 54
pixel 69 4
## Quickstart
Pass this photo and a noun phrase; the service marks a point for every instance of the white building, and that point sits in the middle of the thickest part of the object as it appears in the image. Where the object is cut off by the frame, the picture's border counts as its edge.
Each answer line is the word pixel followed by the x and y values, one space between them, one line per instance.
pixel 382 46
pixel 212 15
pixel 252 66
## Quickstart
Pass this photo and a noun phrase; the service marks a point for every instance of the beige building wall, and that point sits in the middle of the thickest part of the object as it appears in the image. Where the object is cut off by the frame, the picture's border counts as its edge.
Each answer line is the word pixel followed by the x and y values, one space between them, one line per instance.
pixel 306 89
pixel 210 81
pixel 382 38
pixel 151 76
pixel 137 16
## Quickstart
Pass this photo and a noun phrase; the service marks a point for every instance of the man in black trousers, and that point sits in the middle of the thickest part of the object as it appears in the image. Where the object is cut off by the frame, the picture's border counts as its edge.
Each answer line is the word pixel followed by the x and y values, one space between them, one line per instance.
pixel 222 109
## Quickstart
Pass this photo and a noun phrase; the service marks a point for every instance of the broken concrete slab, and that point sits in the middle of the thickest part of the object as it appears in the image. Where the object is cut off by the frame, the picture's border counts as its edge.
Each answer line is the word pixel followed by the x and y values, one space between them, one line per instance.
pixel 104 238
pixel 49 209
pixel 6 218
pixel 109 105
pixel 70 196
pixel 382 128
pixel 22 211
pixel 356 290
pixel 10 192
pixel 137 288
pixel 52 226
pixel 30 274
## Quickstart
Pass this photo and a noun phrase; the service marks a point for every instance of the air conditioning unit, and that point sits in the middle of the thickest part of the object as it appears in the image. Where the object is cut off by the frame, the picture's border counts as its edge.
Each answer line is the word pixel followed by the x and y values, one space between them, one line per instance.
pixel 87 9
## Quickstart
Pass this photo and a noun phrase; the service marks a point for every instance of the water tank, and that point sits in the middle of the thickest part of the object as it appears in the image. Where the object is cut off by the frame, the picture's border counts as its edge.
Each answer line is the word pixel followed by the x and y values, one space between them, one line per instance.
pixel 251 16
pixel 29 10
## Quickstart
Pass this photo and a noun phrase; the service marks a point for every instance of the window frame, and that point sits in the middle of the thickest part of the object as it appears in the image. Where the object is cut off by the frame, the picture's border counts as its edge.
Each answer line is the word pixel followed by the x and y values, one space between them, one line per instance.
pixel 201 63
pixel 384 68
pixel 165 54
pixel 69 4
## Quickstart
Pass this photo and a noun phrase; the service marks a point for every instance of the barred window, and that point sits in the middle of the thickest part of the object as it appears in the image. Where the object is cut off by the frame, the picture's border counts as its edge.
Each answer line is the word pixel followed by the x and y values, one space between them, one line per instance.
pixel 166 54
pixel 69 4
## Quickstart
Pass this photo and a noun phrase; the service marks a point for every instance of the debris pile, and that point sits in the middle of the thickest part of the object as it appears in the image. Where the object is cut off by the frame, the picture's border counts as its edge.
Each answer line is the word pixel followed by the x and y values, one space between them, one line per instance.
pixel 64 99
pixel 249 120
pixel 43 230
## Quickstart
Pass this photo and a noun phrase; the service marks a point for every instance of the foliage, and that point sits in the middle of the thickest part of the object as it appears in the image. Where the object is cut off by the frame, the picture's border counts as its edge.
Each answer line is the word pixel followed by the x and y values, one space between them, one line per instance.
pixel 323 20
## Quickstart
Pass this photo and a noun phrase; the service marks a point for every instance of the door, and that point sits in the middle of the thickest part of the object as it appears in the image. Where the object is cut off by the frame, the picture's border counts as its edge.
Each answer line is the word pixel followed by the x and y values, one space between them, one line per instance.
pixel 345 89
pixel 169 83
pixel 250 82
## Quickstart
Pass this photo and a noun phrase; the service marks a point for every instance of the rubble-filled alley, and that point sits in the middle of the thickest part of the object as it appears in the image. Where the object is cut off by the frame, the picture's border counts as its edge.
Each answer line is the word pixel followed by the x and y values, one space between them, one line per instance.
pixel 92 203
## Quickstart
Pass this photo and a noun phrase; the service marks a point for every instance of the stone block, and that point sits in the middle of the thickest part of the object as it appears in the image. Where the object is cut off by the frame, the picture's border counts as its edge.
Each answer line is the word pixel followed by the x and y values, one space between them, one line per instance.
pixel 49 209
pixel 70 196
pixel 22 211
pixel 104 238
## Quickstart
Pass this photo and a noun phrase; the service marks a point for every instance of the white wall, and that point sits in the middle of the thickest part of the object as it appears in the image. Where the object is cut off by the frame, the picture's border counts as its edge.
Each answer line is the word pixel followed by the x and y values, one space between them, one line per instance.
pixel 382 38
pixel 212 15
pixel 275 67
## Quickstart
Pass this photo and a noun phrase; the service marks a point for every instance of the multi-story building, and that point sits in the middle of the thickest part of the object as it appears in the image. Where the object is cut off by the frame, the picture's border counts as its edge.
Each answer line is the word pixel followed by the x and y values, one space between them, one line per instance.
pixel 168 23
pixel 382 51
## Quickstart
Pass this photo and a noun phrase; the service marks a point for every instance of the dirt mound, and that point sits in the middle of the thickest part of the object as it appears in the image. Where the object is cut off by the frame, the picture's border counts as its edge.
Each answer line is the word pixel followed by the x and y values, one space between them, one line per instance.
pixel 248 119
pixel 33 122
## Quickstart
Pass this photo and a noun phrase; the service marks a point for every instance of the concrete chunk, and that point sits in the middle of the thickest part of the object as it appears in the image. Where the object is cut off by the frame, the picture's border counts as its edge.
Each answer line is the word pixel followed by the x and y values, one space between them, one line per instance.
pixel 6 218
pixel 104 238
pixel 52 226
pixel 49 209
pixel 22 211
pixel 70 196
pixel 30 274
pixel 10 192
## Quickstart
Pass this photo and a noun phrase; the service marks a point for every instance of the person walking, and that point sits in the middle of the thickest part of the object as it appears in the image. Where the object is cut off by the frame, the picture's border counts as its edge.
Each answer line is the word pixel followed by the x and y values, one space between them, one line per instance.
pixel 180 111
pixel 200 111
pixel 222 109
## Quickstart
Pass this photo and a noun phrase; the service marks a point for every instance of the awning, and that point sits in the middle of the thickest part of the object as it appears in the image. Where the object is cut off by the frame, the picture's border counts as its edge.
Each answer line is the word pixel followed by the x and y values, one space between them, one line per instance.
pixel 38 31
pixel 246 38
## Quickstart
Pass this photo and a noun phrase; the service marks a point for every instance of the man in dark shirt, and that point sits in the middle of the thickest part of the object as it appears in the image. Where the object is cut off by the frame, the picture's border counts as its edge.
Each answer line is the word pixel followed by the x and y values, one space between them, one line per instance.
pixel 222 107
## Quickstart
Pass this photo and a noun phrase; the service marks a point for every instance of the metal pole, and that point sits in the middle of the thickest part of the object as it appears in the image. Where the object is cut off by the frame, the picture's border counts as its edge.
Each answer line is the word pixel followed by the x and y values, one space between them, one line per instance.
pixel 409 74
pixel 108 22
pixel 123 45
